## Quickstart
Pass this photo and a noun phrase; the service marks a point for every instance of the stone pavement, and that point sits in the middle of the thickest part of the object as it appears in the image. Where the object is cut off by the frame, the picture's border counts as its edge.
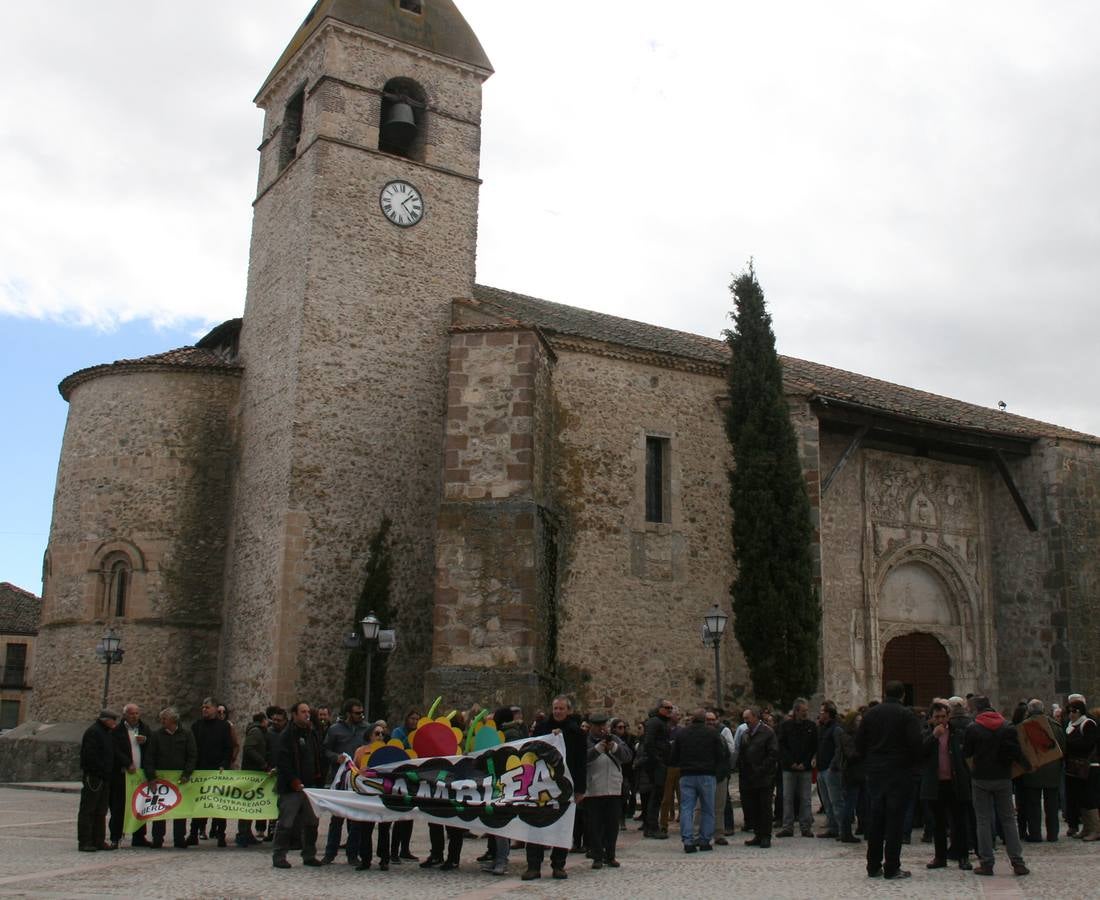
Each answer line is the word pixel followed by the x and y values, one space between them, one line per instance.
pixel 38 858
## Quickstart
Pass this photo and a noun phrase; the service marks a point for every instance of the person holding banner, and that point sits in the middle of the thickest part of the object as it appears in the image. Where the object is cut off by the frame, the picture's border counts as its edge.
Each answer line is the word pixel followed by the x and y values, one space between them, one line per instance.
pixel 300 764
pixel 130 736
pixel 253 759
pixel 340 743
pixel 170 747
pixel 215 743
pixel 563 722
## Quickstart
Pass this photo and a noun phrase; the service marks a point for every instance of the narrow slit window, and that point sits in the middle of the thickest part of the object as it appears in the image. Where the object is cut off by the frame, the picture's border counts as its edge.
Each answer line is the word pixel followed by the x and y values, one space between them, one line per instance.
pixel 119 588
pixel 657 481
pixel 292 129
pixel 413 6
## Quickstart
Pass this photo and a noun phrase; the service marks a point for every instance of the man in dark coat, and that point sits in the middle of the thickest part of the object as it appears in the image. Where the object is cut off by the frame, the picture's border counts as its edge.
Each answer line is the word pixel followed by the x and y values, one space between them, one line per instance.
pixel 130 737
pixel 215 743
pixel 340 743
pixel 253 759
pixel 170 748
pixel 758 763
pixel 889 739
pixel 797 739
pixel 698 752
pixel 276 724
pixel 1040 789
pixel 561 721
pixel 656 748
pixel 993 746
pixel 301 764
pixel 99 757
pixel 945 784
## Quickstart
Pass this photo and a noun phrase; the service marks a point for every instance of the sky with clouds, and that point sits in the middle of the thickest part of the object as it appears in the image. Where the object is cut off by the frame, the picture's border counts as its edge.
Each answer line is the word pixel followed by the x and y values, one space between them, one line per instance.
pixel 917 185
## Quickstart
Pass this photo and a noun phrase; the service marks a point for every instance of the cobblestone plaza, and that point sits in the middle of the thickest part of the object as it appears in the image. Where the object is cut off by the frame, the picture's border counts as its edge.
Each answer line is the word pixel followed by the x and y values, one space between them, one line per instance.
pixel 38 858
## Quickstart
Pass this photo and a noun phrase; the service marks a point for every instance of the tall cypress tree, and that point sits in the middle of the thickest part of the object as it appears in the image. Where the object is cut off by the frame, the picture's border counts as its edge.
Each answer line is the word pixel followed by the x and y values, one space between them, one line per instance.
pixel 373 598
pixel 777 614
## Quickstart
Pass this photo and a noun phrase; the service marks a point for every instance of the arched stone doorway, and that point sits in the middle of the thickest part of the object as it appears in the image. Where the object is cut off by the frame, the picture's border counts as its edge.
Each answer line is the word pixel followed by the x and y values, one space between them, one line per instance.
pixel 920 662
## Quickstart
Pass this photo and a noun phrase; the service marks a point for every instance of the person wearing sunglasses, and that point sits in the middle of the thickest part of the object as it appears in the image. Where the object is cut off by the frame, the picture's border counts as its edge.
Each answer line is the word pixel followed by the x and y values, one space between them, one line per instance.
pixel 340 743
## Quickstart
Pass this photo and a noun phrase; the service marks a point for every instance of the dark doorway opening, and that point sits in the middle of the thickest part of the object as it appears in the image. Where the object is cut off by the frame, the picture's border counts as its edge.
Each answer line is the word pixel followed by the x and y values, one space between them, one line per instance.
pixel 920 662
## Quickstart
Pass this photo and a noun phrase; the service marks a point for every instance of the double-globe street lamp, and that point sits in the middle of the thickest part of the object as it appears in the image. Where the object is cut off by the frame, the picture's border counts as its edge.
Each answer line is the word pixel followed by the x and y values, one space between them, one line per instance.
pixel 714 623
pixel 373 637
pixel 109 651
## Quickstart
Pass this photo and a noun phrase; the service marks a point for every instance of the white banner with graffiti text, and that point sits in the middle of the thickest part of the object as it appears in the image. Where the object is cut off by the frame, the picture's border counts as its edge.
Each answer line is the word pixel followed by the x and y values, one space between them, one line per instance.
pixel 518 789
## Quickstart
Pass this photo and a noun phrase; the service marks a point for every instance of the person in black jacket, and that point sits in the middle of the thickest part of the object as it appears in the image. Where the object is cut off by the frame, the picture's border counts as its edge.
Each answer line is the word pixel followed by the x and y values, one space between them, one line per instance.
pixel 300 762
pixel 992 746
pixel 797 747
pixel 698 751
pixel 130 736
pixel 889 740
pixel 215 743
pixel 945 784
pixel 170 748
pixel 276 724
pixel 561 721
pixel 656 747
pixel 99 757
pixel 1082 772
pixel 757 760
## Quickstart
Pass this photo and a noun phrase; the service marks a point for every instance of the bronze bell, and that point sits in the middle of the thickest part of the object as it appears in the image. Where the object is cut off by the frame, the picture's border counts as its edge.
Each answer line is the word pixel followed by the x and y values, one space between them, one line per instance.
pixel 399 128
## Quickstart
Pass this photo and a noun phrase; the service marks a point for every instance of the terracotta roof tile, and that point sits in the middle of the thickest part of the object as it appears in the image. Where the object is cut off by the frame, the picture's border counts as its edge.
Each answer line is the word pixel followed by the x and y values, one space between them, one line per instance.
pixel 802 376
pixel 183 357
pixel 20 610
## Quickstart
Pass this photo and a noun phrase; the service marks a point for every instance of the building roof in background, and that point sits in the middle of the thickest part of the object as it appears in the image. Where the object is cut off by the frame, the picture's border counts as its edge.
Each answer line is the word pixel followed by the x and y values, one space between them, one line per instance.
pixel 20 610
pixel 802 376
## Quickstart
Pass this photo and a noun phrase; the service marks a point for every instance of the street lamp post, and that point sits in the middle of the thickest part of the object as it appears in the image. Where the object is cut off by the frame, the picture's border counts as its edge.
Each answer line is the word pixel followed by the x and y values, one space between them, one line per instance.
pixel 714 623
pixel 373 637
pixel 109 651
pixel 369 625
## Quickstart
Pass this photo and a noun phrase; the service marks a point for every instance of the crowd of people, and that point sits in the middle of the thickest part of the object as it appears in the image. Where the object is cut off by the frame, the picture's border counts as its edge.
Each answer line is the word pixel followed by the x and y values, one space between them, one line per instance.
pixel 963 773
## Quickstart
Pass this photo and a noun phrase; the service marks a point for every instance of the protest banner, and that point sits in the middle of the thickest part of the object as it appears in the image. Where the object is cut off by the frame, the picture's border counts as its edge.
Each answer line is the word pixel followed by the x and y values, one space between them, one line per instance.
pixel 230 794
pixel 517 789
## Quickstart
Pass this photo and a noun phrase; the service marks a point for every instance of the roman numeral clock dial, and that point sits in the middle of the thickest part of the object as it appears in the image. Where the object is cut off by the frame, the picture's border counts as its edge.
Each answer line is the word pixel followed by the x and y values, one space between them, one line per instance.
pixel 402 204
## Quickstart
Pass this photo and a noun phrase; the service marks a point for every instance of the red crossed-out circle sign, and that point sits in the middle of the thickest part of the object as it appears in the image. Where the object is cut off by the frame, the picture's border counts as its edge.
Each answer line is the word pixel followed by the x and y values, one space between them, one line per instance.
pixel 154 798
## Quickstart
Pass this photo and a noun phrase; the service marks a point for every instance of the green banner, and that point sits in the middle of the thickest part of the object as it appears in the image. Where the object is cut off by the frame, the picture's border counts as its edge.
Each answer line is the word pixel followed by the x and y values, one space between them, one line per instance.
pixel 209 794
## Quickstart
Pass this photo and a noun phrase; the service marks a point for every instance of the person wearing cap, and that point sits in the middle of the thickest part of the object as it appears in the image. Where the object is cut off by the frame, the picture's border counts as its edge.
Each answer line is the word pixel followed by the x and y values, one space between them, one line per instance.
pixel 607 755
pixel 99 757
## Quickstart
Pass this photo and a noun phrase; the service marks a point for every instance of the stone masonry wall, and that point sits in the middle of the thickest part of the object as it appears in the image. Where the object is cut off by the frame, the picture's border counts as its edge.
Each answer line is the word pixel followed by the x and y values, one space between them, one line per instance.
pixel 145 469
pixel 845 619
pixel 1071 484
pixel 1032 643
pixel 633 593
pixel 345 343
pixel 489 642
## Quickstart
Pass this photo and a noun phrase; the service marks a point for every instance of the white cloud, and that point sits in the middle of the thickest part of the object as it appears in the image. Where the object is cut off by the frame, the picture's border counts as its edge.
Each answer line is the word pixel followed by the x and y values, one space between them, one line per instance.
pixel 917 183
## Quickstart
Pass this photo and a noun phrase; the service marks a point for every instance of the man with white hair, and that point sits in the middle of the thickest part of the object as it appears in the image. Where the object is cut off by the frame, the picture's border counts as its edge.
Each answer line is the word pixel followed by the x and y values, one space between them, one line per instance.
pixel 1040 789
pixel 130 737
pixel 170 748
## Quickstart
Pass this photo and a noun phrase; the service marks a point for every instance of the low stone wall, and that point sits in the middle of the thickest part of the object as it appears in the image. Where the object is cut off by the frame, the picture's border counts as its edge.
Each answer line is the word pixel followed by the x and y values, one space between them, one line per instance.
pixel 39 752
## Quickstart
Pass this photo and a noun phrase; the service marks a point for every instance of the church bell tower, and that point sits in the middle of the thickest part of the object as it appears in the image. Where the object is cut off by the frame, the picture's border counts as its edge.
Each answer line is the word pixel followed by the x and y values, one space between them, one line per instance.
pixel 364 231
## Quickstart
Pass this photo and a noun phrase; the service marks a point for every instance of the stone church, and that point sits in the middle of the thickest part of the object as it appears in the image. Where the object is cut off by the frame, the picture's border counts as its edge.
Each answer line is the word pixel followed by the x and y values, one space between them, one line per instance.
pixel 556 477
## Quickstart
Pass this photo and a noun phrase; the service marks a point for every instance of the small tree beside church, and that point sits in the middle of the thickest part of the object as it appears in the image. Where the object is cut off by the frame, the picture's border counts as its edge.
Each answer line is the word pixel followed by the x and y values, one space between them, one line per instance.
pixel 777 614
pixel 374 597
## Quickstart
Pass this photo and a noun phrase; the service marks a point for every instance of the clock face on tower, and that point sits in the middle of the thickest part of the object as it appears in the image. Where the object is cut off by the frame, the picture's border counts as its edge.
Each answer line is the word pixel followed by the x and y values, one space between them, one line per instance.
pixel 401 203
